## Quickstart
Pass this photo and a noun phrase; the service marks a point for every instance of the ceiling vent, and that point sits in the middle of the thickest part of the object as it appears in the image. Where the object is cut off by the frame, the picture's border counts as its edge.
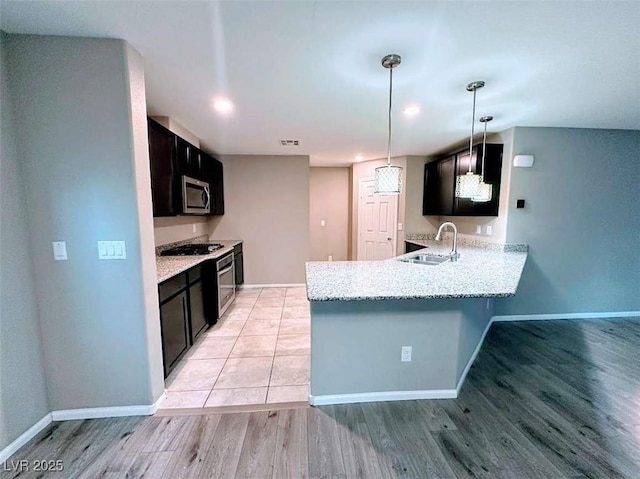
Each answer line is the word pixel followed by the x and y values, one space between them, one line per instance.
pixel 289 142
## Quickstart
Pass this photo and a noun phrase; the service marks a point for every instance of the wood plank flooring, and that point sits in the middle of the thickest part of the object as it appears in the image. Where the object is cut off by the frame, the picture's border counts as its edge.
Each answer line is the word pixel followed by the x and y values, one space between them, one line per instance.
pixel 545 399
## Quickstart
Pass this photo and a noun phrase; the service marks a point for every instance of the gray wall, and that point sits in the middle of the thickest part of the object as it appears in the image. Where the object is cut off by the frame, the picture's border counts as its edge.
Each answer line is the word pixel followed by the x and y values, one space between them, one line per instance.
pixel 329 201
pixel 357 344
pixel 23 395
pixel 267 206
pixel 581 221
pixel 80 126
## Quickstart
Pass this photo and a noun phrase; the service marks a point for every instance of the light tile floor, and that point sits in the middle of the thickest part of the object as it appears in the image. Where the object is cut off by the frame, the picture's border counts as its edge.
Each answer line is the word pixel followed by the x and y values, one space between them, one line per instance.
pixel 257 353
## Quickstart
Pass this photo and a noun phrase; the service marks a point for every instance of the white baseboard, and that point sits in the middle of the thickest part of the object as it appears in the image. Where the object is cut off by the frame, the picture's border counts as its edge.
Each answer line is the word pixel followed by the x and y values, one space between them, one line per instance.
pixel 544 317
pixel 24 438
pixel 272 285
pixel 100 412
pixel 70 414
pixel 381 396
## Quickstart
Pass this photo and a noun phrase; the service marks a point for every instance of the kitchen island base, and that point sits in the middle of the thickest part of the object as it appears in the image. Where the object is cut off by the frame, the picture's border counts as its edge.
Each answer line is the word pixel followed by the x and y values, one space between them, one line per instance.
pixel 356 348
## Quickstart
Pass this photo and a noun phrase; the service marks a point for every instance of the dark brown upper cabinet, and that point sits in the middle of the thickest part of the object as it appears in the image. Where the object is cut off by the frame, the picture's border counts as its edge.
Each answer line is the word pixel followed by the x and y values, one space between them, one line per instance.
pixel 165 191
pixel 440 179
pixel 172 157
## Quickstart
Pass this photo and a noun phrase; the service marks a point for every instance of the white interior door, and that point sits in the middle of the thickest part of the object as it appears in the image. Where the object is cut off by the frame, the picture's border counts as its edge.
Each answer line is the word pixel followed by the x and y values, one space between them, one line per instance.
pixel 377 218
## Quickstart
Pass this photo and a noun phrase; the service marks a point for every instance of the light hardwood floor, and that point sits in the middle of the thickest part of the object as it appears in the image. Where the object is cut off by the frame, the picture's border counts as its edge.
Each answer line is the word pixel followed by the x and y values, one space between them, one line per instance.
pixel 546 399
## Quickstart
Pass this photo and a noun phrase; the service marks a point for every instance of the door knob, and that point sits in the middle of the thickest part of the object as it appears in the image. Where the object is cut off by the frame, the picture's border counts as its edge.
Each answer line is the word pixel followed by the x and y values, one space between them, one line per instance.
pixel 389 239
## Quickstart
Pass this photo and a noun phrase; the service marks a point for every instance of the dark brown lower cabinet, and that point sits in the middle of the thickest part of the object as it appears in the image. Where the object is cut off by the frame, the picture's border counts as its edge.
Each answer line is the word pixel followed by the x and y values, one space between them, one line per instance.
pixel 182 315
pixel 411 247
pixel 196 306
pixel 174 316
pixel 239 264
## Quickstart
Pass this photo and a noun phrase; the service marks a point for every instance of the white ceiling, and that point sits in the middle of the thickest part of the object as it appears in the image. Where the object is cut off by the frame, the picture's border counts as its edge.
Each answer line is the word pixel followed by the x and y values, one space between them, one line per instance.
pixel 311 70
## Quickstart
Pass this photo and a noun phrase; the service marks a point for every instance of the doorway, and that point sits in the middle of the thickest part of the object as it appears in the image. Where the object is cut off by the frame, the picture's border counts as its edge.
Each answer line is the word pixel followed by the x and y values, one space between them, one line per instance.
pixel 377 219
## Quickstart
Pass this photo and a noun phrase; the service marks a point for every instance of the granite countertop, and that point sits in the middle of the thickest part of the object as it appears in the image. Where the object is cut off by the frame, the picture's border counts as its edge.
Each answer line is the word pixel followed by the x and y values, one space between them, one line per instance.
pixel 169 266
pixel 491 271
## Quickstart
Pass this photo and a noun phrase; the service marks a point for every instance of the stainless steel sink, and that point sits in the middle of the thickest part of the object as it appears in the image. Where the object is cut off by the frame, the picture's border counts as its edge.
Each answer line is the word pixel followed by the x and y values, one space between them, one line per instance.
pixel 428 259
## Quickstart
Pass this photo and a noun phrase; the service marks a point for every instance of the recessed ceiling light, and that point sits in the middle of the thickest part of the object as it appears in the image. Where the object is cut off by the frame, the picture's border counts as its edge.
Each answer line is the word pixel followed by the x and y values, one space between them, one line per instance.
pixel 359 158
pixel 222 105
pixel 411 110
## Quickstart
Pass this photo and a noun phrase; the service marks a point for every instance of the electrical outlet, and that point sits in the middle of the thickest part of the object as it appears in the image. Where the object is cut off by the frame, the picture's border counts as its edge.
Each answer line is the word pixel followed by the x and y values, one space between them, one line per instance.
pixel 323 223
pixel 193 228
pixel 405 355
pixel 478 229
pixel 60 250
pixel 330 258
pixel 488 304
pixel 489 230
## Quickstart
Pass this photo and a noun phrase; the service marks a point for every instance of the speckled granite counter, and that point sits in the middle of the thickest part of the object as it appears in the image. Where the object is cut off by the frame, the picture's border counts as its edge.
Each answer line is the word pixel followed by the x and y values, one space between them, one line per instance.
pixel 480 272
pixel 169 266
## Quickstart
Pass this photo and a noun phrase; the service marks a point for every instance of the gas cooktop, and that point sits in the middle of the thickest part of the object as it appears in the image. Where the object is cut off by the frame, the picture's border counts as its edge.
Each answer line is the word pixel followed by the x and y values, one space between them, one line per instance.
pixel 192 249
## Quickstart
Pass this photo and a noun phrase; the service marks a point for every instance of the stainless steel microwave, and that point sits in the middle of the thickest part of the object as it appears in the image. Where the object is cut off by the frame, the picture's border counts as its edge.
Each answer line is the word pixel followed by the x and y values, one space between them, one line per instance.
pixel 196 197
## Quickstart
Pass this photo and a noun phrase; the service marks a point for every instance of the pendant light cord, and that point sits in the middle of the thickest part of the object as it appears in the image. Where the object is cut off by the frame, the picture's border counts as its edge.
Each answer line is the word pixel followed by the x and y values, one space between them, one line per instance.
pixel 484 148
pixel 390 91
pixel 473 118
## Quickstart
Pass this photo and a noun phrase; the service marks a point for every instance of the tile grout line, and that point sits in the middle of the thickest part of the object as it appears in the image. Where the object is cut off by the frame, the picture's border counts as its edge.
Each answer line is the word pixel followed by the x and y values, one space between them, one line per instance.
pixel 228 355
pixel 273 360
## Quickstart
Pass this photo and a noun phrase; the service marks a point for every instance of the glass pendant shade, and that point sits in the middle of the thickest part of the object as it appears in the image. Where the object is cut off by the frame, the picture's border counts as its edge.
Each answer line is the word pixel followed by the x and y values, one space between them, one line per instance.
pixel 484 195
pixel 467 186
pixel 388 180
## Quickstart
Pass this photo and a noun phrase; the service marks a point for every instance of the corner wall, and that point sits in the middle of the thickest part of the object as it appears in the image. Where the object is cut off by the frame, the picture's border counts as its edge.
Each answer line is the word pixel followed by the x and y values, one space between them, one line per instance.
pixel 23 394
pixel 79 127
pixel 267 206
pixel 581 221
pixel 329 202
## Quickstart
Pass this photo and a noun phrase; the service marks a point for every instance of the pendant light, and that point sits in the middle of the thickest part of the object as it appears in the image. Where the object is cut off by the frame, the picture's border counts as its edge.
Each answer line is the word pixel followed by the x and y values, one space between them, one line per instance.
pixel 468 185
pixel 389 177
pixel 484 189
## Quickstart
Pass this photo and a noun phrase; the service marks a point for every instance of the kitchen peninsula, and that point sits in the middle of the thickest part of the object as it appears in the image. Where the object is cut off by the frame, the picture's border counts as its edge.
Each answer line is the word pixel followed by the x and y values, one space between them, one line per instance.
pixel 364 316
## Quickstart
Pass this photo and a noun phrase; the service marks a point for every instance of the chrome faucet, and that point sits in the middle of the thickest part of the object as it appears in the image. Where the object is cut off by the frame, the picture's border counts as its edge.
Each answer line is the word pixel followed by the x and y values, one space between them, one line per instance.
pixel 454 255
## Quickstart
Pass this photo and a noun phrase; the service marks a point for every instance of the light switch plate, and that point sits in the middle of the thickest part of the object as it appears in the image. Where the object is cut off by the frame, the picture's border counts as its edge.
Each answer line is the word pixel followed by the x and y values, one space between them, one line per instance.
pixel 60 250
pixel 489 230
pixel 323 223
pixel 400 226
pixel 112 250
pixel 478 229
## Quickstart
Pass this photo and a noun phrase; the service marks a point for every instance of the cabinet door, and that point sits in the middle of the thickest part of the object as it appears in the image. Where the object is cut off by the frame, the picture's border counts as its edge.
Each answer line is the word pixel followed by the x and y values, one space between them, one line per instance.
pixel 431 191
pixel 447 175
pixel 175 334
pixel 411 247
pixel 239 265
pixel 212 172
pixel 210 291
pixel 195 163
pixel 183 152
pixel 196 310
pixel 164 190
